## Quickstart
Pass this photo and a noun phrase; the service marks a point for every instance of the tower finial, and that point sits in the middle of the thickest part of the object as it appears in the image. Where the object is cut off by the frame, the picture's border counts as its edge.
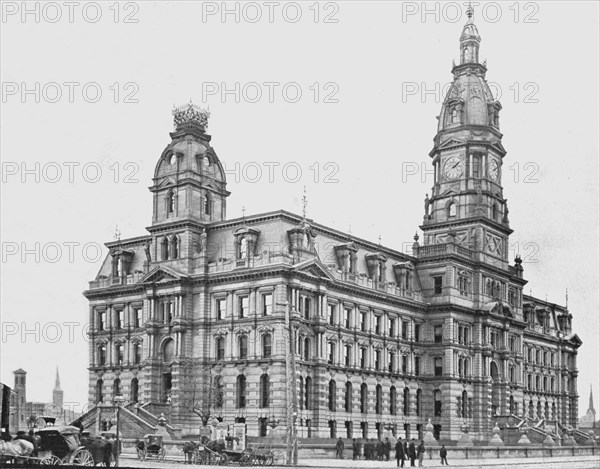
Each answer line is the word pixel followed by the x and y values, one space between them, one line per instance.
pixel 304 204
pixel 117 235
pixel 244 214
pixel 57 382
pixel 470 13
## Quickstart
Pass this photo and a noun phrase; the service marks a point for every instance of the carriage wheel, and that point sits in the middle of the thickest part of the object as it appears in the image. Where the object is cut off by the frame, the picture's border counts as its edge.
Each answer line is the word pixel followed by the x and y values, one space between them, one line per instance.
pixel 82 457
pixel 223 460
pixel 51 461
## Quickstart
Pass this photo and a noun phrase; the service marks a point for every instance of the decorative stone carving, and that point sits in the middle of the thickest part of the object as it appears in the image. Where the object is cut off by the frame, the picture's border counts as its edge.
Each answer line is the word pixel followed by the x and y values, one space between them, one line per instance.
pixel 496 440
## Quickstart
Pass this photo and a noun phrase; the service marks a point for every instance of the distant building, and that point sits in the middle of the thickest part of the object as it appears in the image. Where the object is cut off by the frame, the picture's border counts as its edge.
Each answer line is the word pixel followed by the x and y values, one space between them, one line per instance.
pixel 589 419
pixel 29 414
pixel 8 402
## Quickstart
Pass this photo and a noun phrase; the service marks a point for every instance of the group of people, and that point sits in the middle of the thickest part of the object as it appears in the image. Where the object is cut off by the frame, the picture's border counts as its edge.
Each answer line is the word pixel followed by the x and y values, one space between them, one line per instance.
pixel 406 451
pixel 373 450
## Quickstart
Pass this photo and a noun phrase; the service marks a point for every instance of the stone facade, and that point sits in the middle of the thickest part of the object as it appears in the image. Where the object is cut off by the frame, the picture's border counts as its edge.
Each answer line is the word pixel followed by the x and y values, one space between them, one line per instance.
pixel 191 318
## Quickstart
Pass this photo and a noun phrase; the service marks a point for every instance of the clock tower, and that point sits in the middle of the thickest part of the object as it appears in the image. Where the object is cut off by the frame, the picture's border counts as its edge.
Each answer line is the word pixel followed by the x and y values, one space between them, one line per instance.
pixel 467 206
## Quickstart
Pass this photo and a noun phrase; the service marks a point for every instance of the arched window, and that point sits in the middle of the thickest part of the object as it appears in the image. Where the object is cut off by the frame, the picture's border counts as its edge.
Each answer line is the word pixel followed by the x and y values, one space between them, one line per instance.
pixel 264 391
pixel 406 403
pixel 99 390
pixel 174 247
pixel 101 355
pixel 419 402
pixel 218 392
pixel 452 209
pixel 363 398
pixel 307 349
pixel 378 399
pixel 243 346
pixel 220 348
pixel 241 391
pixel 266 345
pixel 116 387
pixel 164 249
pixel 393 399
pixel 308 393
pixel 168 351
pixel 348 397
pixel 301 398
pixel 134 390
pixel 332 396
pixel 464 405
pixel 137 353
pixel 207 205
pixel 171 202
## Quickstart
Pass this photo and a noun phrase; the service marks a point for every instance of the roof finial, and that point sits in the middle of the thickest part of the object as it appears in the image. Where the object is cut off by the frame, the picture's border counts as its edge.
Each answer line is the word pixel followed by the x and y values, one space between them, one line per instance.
pixel 117 235
pixel 470 13
pixel 244 214
pixel 304 204
pixel 379 239
pixel 567 298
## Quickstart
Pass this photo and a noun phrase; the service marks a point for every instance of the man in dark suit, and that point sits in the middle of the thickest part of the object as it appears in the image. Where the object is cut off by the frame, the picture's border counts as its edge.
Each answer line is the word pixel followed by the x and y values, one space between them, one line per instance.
pixel 412 452
pixel 400 455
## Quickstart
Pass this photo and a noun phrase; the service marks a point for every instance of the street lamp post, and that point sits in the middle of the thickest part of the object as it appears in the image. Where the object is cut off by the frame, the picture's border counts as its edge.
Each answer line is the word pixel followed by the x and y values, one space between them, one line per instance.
pixel 292 396
pixel 118 399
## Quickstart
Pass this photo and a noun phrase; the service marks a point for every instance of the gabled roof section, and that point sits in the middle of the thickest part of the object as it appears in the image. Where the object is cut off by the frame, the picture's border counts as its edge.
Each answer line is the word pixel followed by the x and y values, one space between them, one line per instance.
pixel 574 339
pixel 315 268
pixel 160 274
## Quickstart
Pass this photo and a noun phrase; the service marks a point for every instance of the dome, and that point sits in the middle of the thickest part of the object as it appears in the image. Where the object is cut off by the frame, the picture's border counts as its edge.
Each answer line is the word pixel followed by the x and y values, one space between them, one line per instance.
pixel 470 32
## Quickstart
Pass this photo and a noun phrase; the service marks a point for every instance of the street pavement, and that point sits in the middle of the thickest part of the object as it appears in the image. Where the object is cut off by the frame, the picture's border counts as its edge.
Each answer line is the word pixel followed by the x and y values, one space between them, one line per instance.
pixel 574 462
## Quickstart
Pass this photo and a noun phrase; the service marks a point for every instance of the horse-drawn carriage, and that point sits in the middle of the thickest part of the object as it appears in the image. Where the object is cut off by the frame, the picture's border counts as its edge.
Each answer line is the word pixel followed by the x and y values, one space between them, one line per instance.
pixel 215 452
pixel 57 445
pixel 151 447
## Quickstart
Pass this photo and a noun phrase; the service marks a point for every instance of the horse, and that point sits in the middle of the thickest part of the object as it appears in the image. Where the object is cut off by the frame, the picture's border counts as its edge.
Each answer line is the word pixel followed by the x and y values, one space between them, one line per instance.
pixel 100 449
pixel 189 448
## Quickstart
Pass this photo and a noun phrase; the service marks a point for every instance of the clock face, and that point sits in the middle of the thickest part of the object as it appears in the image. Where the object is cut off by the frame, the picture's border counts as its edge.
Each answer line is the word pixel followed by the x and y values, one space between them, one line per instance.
pixel 494 170
pixel 453 168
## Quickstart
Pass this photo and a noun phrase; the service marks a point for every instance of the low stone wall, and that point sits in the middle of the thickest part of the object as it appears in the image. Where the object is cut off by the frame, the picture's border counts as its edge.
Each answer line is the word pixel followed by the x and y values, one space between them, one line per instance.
pixel 325 450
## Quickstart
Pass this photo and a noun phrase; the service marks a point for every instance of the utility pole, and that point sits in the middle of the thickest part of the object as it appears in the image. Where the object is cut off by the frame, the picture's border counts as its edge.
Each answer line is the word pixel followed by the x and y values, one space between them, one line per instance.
pixel 291 391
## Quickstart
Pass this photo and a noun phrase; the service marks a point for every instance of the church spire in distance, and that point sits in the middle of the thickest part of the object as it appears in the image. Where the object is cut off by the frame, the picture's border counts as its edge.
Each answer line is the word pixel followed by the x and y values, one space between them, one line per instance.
pixel 57 382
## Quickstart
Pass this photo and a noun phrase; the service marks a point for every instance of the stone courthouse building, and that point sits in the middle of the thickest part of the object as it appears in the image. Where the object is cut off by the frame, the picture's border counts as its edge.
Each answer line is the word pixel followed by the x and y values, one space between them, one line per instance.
pixel 192 314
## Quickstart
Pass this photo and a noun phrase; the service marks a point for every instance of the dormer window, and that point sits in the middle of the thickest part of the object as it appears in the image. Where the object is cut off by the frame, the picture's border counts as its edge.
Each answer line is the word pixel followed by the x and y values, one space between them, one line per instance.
pixel 346 257
pixel 243 250
pixel 376 264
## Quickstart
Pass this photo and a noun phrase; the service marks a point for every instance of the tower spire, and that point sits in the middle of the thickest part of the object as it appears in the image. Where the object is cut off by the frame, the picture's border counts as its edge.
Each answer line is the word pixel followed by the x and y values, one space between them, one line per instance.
pixel 57 382
pixel 591 405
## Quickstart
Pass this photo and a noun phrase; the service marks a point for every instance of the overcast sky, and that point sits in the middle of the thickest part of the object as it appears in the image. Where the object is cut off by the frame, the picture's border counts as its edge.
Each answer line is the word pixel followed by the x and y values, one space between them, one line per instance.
pixel 86 107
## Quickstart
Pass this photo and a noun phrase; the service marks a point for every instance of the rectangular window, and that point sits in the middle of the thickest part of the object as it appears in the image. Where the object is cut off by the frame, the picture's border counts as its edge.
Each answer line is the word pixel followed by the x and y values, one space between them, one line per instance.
pixel 101 320
pixel 417 332
pixel 119 319
pixel 417 366
pixel 437 285
pixel 404 330
pixel 330 352
pixel 347 316
pixel 331 314
pixel 220 307
pixel 306 308
pixel 137 353
pixel 347 355
pixel 391 359
pixel 392 327
pixel 363 357
pixel 404 364
pixel 438 366
pixel 377 324
pixel 363 321
pixel 244 305
pixel 377 359
pixel 267 304
pixel 138 317
pixel 437 334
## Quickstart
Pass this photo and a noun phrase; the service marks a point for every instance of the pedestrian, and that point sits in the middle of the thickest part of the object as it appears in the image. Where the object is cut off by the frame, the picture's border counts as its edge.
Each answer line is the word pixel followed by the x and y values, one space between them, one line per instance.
pixel 400 453
pixel 412 453
pixel 380 450
pixel 355 449
pixel 421 453
pixel 443 454
pixel 387 447
pixel 339 448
